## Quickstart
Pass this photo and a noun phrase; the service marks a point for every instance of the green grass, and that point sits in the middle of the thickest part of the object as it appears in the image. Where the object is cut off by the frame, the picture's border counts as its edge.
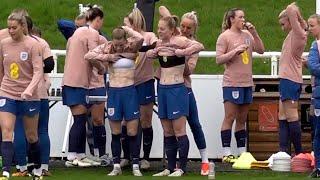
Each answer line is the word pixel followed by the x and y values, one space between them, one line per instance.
pixel 262 13
pixel 101 173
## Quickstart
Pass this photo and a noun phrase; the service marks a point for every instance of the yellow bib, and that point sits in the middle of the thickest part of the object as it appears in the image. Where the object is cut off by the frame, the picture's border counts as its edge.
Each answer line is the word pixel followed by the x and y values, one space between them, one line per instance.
pixel 14 71
pixel 245 57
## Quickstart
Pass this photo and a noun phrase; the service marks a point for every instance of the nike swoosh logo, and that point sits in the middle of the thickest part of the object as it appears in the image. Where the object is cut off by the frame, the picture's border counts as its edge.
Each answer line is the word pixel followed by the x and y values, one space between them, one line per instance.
pixel 148 97
pixel 32 109
pixel 136 112
pixel 176 112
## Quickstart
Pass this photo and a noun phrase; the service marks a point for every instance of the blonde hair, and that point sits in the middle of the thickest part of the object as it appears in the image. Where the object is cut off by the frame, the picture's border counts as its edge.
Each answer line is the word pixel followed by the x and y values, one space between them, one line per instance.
pixel 137 20
pixel 315 16
pixel 226 22
pixel 22 12
pixel 192 16
pixel 21 19
pixel 283 14
pixel 172 22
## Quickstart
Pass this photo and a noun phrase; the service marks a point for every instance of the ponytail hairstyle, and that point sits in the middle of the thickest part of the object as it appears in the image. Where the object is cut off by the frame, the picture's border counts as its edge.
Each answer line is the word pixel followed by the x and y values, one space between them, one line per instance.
pixel 226 22
pixel 29 24
pixel 172 22
pixel 93 13
pixel 137 20
pixel 22 12
pixel 192 16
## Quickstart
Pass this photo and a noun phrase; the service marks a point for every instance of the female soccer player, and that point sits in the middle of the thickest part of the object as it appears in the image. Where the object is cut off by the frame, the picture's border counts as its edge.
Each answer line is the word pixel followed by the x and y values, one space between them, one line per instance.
pixel 314 67
pixel 44 85
pixel 21 70
pixel 144 84
pixel 76 82
pixel 172 93
pixel 290 73
pixel 234 49
pixel 119 55
pixel 188 28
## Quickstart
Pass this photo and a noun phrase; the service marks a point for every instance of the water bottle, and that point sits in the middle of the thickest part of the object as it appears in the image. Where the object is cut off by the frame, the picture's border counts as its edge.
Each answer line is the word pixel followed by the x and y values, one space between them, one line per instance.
pixel 212 172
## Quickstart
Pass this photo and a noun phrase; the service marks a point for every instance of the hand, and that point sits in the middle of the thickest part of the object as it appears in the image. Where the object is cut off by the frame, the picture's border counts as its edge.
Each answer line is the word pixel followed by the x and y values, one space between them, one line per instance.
pixel 179 52
pixel 240 49
pixel 250 27
pixel 304 61
pixel 126 28
pixel 126 22
pixel 26 95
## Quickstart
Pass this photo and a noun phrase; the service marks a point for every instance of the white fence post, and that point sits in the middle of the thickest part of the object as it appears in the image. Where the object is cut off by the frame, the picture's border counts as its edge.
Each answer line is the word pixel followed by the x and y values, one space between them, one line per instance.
pixel 274 66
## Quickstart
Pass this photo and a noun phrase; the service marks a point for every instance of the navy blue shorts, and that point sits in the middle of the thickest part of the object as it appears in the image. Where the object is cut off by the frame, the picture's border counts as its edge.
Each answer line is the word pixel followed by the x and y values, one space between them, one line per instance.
pixel 238 95
pixel 123 103
pixel 289 90
pixel 102 91
pixel 173 101
pixel 22 108
pixel 74 96
pixel 145 92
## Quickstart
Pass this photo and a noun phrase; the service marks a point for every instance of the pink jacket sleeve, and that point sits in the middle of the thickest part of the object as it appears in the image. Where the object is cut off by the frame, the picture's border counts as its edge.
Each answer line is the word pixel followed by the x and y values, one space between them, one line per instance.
pixel 221 49
pixel 93 41
pixel 98 53
pixel 191 64
pixel 135 40
pixel 192 47
pixel 1 64
pixel 37 64
pixel 294 17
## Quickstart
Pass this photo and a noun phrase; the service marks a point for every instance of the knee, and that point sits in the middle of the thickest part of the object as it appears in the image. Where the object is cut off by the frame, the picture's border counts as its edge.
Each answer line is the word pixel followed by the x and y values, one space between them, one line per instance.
pixel 7 134
pixel 168 132
pixel 32 137
pixel 132 131
pixel 98 121
pixel 145 123
pixel 116 131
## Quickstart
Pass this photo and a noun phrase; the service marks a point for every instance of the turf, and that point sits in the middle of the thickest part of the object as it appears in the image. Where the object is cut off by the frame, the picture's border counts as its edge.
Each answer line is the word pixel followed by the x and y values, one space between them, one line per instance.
pixel 101 173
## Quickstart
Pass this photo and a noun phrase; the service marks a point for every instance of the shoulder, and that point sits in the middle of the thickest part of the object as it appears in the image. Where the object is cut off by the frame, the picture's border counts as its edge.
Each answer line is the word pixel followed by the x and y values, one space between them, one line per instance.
pixel 102 39
pixel 42 41
pixel 6 40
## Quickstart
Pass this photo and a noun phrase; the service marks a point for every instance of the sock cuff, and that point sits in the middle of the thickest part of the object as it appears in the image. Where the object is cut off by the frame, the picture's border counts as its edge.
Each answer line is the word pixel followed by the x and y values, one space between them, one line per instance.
pixel 116 136
pixel 182 137
pixel 80 116
pixel 170 139
pixel 147 130
pixel 226 132
pixel 241 133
